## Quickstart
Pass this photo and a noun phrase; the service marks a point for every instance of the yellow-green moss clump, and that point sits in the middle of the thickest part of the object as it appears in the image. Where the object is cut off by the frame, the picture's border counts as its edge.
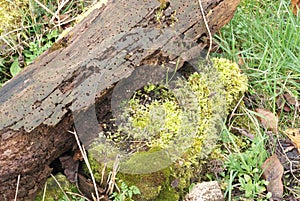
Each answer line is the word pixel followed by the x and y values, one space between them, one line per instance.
pixel 173 132
pixel 11 14
pixel 233 80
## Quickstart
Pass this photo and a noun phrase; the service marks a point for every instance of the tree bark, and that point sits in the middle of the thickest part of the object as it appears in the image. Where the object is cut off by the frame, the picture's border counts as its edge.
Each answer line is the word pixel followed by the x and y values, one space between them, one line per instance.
pixel 38 105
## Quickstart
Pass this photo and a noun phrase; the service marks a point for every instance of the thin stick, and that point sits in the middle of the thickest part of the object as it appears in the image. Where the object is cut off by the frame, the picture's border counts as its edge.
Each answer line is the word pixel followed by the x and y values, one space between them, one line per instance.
pixel 78 195
pixel 112 178
pixel 60 187
pixel 18 182
pixel 85 158
pixel 44 193
pixel 103 173
pixel 47 9
pixel 207 28
pixel 60 6
pixel 234 109
pixel 296 112
pixel 65 22
pixel 290 162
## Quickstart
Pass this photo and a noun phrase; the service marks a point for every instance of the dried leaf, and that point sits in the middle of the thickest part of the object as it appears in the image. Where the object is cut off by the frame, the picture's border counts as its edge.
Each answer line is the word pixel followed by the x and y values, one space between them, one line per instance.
pixel 77 155
pixel 286 108
pixel 295 5
pixel 272 172
pixel 279 102
pixel 290 99
pixel 241 61
pixel 268 120
pixel 294 135
pixel 63 17
pixel 284 101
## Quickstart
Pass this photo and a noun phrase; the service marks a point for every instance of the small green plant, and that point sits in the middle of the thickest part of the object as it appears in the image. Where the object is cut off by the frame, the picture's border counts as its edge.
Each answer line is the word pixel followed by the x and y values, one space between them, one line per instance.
pixel 263 37
pixel 244 168
pixel 126 193
pixel 191 187
pixel 252 186
pixel 28 28
pixel 15 68
pixel 38 47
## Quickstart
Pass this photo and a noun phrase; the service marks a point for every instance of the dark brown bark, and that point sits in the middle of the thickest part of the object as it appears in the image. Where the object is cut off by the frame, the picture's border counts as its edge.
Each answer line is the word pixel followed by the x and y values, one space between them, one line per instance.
pixel 38 105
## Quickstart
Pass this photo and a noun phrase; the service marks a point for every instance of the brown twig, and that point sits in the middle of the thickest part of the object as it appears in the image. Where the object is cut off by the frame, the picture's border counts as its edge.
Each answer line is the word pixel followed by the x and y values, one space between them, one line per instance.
pixel 290 162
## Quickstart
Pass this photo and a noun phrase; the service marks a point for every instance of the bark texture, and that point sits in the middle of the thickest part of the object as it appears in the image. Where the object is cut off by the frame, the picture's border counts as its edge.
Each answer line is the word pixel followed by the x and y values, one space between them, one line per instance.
pixel 38 105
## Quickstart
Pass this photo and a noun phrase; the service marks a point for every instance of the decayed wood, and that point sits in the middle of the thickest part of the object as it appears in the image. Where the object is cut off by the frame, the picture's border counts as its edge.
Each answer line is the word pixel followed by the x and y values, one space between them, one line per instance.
pixel 37 106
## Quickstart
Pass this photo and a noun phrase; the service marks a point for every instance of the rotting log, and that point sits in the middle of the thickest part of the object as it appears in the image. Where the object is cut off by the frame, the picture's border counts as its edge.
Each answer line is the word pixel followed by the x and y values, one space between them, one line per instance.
pixel 38 105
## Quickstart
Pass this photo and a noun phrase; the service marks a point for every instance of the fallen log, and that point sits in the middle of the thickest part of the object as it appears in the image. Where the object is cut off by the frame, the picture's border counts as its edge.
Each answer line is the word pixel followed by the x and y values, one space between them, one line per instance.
pixel 39 105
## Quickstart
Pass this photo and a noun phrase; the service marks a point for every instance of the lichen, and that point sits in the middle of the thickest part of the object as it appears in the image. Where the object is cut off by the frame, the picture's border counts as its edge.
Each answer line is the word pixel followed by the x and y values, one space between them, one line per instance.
pixel 160 123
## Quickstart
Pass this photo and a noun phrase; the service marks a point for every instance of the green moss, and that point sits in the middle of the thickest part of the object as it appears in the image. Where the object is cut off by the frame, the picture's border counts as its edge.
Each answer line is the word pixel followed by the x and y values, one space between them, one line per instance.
pixel 63 43
pixel 143 161
pixel 155 124
pixel 96 158
pixel 53 191
pixel 95 166
pixel 163 126
pixel 234 81
pixel 151 185
pixel 168 194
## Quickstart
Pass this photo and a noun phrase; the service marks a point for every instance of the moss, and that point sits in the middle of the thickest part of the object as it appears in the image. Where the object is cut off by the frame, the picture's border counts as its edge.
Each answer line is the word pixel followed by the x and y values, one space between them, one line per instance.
pixel 235 83
pixel 162 125
pixel 143 161
pixel 95 166
pixel 58 45
pixel 150 185
pixel 96 158
pixel 53 191
pixel 168 194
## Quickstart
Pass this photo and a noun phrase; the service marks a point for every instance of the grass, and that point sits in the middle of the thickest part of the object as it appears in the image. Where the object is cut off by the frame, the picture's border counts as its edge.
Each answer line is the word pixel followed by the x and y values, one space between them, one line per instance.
pixel 243 161
pixel 40 23
pixel 263 37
